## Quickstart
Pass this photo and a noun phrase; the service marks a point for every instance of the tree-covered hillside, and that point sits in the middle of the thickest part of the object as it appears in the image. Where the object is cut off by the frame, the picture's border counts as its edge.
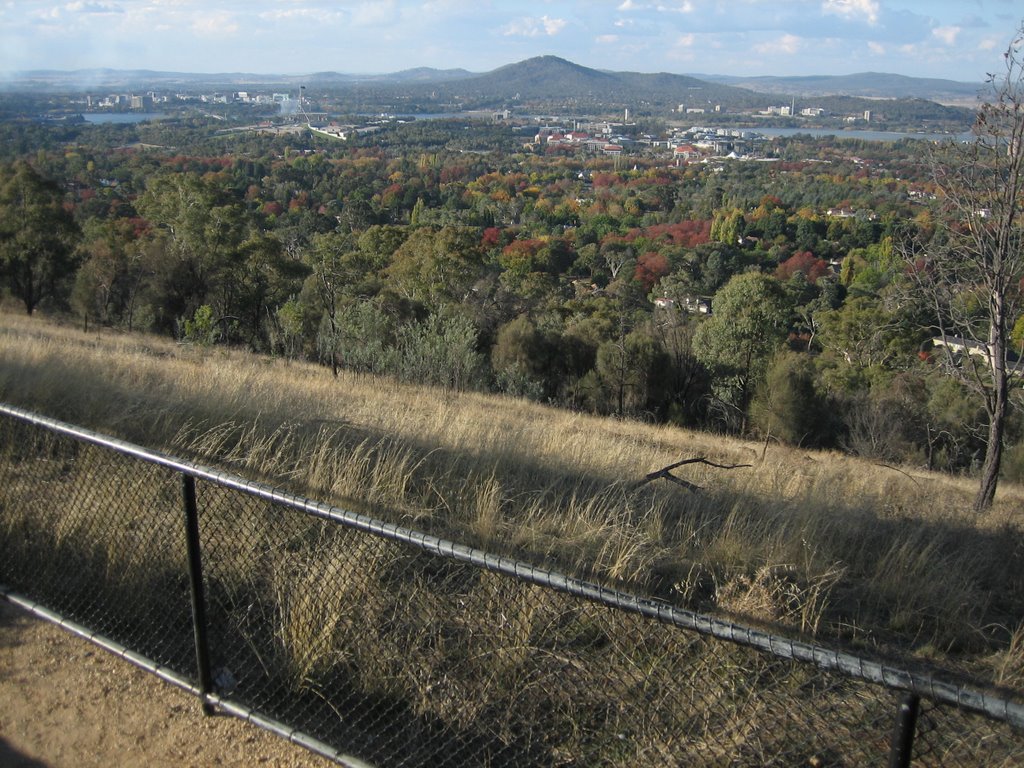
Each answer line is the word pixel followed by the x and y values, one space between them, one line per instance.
pixel 762 297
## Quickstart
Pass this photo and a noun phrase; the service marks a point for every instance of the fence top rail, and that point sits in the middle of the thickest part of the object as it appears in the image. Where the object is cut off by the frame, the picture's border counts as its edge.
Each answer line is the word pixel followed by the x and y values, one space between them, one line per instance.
pixel 973 698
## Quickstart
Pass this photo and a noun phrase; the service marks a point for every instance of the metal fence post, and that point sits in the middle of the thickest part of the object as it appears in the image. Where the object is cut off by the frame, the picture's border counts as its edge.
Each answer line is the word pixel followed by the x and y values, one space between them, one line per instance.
pixel 195 572
pixel 903 733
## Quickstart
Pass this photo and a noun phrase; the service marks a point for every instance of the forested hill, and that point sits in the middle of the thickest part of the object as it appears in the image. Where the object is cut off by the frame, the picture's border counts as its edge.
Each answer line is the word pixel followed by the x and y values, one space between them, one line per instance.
pixel 551 83
pixel 869 85
pixel 550 79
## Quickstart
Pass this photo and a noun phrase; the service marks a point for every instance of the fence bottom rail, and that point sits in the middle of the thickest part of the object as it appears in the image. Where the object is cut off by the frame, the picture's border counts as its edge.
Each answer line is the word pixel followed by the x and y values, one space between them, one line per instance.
pixel 212 700
pixel 374 644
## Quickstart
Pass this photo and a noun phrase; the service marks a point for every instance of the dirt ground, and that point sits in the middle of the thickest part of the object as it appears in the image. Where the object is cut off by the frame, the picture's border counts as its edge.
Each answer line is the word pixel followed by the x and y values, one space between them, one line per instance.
pixel 66 703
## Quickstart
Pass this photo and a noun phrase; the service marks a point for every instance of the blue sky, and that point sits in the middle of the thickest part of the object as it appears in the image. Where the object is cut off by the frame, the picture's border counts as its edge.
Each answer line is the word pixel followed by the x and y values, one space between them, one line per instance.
pixel 961 40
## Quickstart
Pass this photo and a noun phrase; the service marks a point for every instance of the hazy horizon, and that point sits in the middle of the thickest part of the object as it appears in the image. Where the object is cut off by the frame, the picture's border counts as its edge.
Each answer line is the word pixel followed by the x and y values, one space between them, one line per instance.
pixel 940 39
pixel 383 73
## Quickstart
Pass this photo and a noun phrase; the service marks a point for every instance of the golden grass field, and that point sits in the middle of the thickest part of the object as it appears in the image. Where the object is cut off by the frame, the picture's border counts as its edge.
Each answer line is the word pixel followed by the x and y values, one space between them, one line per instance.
pixel 816 542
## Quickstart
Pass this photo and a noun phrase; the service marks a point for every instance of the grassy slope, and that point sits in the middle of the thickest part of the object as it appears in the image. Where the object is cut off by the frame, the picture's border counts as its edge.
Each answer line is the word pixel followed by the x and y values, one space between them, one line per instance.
pixel 820 542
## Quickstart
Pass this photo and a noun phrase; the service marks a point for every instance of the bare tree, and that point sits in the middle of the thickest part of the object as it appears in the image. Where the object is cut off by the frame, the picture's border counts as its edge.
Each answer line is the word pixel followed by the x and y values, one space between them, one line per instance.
pixel 971 271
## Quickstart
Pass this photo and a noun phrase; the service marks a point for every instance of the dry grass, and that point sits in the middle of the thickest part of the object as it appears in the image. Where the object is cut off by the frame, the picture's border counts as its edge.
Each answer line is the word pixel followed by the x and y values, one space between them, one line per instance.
pixel 819 542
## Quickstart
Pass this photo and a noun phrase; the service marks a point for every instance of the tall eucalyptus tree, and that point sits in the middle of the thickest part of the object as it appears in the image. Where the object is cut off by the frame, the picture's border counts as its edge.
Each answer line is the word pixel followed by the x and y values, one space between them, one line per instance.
pixel 971 272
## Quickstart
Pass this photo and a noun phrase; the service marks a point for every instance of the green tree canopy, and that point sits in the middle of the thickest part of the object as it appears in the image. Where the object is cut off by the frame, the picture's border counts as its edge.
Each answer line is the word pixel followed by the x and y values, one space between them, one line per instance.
pixel 37 236
pixel 201 233
pixel 749 323
pixel 437 267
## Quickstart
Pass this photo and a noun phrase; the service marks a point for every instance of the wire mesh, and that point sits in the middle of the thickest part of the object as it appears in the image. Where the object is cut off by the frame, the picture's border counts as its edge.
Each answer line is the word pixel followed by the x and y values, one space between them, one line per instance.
pixel 97 536
pixel 403 656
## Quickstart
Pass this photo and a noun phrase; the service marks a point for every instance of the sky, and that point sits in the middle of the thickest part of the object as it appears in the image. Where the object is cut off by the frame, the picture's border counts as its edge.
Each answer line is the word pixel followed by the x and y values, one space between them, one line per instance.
pixel 953 39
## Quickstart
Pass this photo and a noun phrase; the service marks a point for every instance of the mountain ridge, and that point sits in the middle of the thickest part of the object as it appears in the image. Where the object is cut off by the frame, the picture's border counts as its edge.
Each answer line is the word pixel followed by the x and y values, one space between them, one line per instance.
pixel 528 75
pixel 858 84
pixel 545 85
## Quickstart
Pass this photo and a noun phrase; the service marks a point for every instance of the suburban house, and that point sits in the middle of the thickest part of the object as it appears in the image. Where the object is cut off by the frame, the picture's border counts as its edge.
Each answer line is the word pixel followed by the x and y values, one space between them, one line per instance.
pixel 693 304
pixel 959 347
pixel 684 153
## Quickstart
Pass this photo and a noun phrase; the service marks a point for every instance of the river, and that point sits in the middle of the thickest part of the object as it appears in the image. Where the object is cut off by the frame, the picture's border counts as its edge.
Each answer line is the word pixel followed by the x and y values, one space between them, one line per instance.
pixel 860 134
pixel 103 118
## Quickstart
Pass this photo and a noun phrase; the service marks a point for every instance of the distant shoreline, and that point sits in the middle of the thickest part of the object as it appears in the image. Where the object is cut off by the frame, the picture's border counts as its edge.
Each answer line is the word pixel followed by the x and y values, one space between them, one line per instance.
pixel 102 118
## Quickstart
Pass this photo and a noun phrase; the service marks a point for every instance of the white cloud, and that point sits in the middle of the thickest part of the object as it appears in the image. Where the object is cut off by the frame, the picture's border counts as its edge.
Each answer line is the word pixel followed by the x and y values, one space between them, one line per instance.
pixel 682 49
pixel 553 26
pixel 524 27
pixel 73 13
pixel 530 27
pixel 216 24
pixel 852 9
pixel 319 15
pixel 85 7
pixel 380 35
pixel 787 44
pixel 449 6
pixel 374 13
pixel 947 35
pixel 47 13
pixel 684 7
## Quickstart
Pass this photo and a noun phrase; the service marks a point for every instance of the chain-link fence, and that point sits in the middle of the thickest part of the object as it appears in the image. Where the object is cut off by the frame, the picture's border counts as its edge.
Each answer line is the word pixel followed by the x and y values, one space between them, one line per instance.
pixel 395 648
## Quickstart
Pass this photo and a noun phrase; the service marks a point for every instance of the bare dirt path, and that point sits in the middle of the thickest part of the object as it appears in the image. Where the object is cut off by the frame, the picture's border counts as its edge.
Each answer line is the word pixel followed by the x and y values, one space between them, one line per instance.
pixel 65 703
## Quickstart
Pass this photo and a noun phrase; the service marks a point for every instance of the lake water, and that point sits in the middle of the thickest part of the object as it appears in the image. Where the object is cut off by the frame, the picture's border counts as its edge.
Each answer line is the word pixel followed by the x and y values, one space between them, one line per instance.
pixel 103 118
pixel 859 134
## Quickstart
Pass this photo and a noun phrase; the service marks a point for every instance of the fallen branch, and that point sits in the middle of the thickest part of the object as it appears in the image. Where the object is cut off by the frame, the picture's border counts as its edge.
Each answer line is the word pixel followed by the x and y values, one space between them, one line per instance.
pixel 897 469
pixel 666 472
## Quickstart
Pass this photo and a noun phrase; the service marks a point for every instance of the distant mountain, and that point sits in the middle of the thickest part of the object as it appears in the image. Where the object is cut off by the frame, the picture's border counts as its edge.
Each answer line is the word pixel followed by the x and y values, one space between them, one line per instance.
pixel 92 79
pixel 872 85
pixel 541 76
pixel 410 76
pixel 428 74
pixel 323 78
pixel 549 84
pixel 553 79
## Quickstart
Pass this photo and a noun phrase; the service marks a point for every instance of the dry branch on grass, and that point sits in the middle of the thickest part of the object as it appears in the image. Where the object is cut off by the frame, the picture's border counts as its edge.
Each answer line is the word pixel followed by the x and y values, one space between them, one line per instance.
pixel 666 472
pixel 897 469
pixel 565 489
